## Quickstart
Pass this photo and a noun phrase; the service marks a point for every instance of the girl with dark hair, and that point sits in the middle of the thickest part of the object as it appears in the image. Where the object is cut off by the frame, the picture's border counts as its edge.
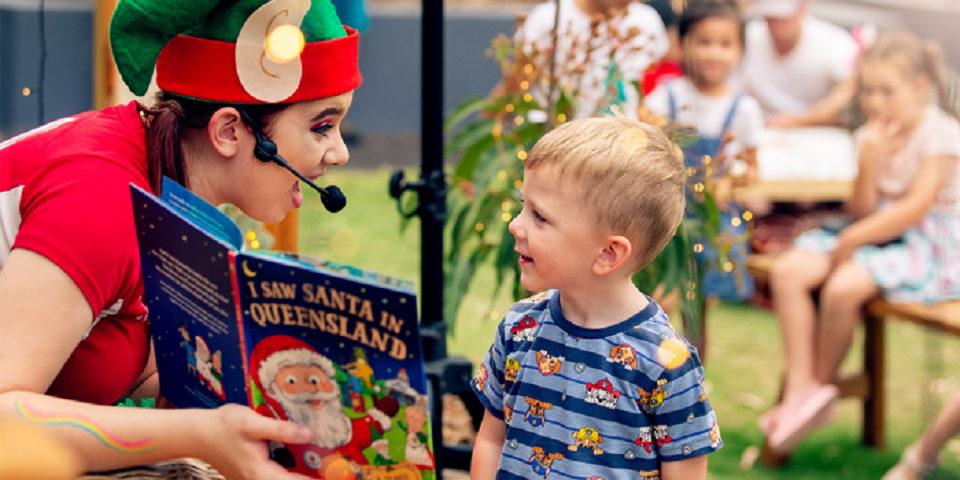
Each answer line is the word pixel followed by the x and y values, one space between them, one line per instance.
pixel 75 330
pixel 727 127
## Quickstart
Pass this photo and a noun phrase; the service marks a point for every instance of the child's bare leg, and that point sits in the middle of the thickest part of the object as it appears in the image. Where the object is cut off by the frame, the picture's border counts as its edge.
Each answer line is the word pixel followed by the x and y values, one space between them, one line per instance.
pixel 942 429
pixel 795 275
pixel 841 303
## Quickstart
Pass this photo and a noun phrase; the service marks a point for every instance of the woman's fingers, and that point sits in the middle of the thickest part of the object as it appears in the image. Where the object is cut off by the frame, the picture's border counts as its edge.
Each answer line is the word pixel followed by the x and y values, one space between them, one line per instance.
pixel 254 426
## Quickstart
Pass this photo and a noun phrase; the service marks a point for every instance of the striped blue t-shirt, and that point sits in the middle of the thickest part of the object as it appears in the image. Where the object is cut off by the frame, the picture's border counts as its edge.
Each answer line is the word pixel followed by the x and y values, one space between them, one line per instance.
pixel 594 404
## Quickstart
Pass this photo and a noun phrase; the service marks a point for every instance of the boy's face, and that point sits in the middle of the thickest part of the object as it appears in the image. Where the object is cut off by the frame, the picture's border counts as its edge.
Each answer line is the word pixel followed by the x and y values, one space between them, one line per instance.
pixel 557 240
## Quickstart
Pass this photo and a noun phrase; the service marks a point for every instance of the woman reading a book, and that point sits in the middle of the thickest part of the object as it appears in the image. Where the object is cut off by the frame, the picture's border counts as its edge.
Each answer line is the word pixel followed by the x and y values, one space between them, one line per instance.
pixel 74 334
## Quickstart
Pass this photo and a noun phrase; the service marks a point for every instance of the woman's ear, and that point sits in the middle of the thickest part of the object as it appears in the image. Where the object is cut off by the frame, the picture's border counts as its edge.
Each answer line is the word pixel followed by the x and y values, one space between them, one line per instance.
pixel 225 130
pixel 614 255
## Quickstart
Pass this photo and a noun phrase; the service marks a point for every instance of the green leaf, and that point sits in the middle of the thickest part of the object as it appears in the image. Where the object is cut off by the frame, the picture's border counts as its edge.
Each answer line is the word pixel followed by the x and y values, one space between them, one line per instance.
pixel 470 135
pixel 471 156
pixel 466 108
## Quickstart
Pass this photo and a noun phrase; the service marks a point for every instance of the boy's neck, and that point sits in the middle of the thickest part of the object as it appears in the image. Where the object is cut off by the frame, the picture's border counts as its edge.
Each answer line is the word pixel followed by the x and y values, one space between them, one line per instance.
pixel 602 304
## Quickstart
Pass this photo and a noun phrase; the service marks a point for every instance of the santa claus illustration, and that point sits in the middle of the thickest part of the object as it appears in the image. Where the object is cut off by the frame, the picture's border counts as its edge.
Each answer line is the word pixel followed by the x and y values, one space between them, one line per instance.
pixel 299 385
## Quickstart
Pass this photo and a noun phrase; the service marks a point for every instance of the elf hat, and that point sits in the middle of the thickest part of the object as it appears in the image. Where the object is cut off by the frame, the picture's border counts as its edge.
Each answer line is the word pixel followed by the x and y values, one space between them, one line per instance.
pixel 235 51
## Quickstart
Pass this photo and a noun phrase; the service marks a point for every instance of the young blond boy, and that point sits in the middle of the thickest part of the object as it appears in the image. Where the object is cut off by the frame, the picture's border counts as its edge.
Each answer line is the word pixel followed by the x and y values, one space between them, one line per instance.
pixel 588 379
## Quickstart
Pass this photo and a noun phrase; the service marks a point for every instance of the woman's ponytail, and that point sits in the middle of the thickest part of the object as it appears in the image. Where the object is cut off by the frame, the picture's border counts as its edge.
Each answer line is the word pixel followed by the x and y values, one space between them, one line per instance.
pixel 164 147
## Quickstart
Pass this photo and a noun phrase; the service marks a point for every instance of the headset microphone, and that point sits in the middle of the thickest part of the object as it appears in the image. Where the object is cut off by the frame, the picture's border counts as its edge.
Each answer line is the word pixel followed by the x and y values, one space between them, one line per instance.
pixel 266 151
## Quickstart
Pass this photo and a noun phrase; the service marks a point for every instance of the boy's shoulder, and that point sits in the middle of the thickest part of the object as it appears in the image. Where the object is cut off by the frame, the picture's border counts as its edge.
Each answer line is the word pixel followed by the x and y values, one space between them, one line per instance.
pixel 656 341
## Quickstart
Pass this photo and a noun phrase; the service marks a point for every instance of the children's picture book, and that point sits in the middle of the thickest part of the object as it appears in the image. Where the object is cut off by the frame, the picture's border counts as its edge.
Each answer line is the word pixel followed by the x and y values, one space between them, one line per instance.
pixel 326 345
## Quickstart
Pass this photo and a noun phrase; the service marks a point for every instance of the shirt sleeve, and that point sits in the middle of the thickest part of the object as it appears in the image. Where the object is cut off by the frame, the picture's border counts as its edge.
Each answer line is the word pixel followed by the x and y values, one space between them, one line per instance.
pixel 945 140
pixel 842 55
pixel 685 426
pixel 658 101
pixel 536 28
pixel 78 214
pixel 651 44
pixel 748 123
pixel 489 378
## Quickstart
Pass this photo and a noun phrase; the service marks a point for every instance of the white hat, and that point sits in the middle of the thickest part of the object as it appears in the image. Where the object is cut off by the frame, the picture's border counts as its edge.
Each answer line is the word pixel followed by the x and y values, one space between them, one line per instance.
pixel 774 8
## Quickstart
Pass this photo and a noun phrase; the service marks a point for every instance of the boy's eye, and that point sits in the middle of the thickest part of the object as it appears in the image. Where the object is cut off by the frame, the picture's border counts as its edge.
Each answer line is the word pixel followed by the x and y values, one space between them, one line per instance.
pixel 322 129
pixel 538 217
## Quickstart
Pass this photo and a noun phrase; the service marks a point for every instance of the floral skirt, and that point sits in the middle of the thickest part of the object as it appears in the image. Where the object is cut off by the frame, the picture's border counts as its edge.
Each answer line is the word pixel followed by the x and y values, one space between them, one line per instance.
pixel 924 267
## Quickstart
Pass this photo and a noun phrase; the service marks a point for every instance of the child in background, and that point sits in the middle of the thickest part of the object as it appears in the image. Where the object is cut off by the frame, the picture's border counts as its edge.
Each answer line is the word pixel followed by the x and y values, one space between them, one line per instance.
pixel 588 70
pixel 671 65
pixel 901 242
pixel 711 33
pixel 588 378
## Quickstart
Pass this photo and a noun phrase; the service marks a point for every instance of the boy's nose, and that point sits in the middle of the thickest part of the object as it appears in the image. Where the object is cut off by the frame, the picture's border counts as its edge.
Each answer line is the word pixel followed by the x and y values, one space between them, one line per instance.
pixel 514 227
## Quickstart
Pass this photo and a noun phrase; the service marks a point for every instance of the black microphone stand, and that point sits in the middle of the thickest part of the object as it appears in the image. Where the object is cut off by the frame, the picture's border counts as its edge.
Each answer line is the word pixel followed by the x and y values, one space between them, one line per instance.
pixel 445 374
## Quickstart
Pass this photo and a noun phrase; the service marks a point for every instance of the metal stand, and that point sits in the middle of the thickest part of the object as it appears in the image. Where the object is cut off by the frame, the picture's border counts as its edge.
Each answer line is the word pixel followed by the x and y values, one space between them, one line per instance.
pixel 446 375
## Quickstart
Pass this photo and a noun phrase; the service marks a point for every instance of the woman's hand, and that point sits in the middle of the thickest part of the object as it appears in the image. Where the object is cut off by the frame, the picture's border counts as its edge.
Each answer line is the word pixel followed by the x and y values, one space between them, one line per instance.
pixel 236 442
pixel 882 138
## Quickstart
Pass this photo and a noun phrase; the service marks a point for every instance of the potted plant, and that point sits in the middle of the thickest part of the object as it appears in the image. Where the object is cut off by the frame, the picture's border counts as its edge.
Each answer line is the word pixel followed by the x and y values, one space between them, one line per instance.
pixel 491 138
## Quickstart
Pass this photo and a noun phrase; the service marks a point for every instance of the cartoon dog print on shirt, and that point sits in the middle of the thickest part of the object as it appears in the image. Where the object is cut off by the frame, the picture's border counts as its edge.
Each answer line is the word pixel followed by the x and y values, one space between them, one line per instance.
pixel 661 436
pixel 512 370
pixel 625 355
pixel 524 331
pixel 507 413
pixel 548 365
pixel 715 435
pixel 588 438
pixel 481 377
pixel 536 298
pixel 542 461
pixel 602 393
pixel 650 474
pixel 536 414
pixel 654 398
pixel 645 439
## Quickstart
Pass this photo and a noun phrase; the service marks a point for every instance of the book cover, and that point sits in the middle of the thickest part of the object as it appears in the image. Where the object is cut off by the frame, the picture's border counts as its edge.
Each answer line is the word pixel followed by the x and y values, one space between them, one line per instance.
pixel 330 346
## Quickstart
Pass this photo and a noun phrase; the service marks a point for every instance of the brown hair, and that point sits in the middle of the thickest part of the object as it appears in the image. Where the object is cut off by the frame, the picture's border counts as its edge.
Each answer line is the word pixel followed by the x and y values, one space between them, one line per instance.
pixel 918 57
pixel 168 120
pixel 630 173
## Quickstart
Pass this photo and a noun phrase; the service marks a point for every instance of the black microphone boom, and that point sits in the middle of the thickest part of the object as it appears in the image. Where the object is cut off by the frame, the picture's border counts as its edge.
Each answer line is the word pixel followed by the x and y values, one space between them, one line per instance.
pixel 332 198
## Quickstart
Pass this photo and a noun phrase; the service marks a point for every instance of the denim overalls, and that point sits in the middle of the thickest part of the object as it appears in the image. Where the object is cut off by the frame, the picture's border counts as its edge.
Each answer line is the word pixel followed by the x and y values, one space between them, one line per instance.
pixel 716 281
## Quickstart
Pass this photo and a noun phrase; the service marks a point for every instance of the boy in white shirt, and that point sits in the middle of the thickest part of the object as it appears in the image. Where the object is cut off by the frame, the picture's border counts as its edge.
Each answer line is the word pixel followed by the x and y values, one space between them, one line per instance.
pixel 597 86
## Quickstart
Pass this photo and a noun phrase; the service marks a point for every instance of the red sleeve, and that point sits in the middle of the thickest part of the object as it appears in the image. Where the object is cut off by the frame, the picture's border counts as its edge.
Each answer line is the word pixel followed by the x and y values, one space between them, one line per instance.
pixel 78 214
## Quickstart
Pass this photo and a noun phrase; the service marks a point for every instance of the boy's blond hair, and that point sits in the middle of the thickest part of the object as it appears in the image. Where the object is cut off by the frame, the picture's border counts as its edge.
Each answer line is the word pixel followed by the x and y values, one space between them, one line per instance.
pixel 627 172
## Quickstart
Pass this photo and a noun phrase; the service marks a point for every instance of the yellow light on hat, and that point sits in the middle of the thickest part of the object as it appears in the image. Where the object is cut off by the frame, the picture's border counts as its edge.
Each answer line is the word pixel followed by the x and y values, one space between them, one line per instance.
pixel 284 43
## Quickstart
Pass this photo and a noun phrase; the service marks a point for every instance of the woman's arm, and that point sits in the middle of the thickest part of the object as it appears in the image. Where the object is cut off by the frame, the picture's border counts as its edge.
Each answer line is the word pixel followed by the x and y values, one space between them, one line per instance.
pixel 890 223
pixel 43 316
pixel 690 469
pixel 489 446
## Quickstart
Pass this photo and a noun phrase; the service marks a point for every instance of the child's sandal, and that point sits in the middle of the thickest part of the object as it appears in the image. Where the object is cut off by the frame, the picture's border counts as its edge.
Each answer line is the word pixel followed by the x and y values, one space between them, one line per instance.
pixel 909 469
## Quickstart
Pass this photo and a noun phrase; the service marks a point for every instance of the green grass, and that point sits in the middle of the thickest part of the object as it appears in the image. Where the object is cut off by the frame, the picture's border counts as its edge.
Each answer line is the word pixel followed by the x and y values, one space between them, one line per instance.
pixel 742 370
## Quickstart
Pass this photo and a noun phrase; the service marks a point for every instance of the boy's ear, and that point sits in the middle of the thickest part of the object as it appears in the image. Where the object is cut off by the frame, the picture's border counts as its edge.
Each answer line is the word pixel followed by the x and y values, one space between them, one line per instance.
pixel 224 131
pixel 614 255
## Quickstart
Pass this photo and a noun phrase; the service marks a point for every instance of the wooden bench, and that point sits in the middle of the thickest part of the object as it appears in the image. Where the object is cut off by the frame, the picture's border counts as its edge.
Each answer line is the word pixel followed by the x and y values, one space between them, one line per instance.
pixel 868 385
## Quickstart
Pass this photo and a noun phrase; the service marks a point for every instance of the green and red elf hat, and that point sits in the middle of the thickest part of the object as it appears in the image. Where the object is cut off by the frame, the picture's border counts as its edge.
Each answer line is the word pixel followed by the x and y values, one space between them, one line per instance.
pixel 235 51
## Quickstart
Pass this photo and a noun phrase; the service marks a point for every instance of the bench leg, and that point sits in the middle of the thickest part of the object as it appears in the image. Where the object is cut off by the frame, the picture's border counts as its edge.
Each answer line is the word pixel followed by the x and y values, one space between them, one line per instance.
pixel 873 367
